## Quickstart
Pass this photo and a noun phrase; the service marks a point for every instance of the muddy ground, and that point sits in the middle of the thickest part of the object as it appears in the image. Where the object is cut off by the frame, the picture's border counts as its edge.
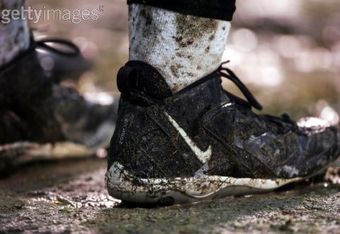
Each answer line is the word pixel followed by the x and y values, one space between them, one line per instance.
pixel 70 197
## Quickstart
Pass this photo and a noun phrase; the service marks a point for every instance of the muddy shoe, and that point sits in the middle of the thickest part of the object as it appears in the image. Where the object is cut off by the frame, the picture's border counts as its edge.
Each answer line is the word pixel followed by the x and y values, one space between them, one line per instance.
pixel 61 59
pixel 203 142
pixel 38 110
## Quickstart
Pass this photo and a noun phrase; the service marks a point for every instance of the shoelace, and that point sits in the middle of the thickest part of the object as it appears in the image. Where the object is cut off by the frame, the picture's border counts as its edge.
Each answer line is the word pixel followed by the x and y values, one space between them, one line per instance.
pixel 251 100
pixel 57 43
pixel 230 75
pixel 278 120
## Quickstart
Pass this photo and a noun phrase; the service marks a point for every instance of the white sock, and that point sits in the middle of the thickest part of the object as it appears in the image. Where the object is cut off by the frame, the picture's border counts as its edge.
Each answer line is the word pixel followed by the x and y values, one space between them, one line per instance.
pixel 182 48
pixel 14 36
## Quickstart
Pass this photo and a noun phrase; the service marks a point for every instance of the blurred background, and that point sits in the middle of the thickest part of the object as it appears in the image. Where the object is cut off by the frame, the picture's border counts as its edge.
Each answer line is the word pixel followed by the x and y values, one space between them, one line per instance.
pixel 288 52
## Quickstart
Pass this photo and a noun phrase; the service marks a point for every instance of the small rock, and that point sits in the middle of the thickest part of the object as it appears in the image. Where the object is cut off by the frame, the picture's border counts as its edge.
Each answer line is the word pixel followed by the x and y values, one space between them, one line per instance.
pixel 125 217
pixel 65 201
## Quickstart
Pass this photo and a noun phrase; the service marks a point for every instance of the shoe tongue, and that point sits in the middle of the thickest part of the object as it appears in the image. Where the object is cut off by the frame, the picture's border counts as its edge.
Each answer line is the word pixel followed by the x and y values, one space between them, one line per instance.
pixel 140 78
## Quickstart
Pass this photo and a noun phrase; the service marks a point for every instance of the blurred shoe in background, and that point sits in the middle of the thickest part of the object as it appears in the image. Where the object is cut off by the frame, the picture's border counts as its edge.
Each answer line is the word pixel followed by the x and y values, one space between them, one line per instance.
pixel 61 59
pixel 42 119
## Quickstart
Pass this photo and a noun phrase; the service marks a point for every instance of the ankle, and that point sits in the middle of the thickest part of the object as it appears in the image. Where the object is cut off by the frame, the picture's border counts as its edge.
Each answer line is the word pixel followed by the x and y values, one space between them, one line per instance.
pixel 182 48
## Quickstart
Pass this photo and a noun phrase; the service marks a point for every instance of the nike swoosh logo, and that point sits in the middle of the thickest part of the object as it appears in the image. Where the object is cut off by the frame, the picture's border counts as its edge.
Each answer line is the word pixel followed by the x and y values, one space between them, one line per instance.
pixel 203 156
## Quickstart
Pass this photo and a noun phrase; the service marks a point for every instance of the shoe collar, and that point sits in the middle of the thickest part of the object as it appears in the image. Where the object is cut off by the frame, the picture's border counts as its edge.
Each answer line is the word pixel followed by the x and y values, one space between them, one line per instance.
pixel 141 82
pixel 56 45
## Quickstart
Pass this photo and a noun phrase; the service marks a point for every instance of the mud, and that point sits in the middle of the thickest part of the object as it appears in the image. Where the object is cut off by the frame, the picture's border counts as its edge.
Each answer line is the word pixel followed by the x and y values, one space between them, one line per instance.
pixel 190 29
pixel 173 42
pixel 70 197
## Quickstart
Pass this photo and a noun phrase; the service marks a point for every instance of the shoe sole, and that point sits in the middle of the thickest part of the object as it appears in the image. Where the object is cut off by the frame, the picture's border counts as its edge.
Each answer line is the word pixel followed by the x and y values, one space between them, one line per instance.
pixel 124 186
pixel 20 153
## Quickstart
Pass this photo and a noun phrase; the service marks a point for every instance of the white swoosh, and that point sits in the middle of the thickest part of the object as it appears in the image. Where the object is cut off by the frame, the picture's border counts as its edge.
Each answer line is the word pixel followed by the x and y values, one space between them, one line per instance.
pixel 203 156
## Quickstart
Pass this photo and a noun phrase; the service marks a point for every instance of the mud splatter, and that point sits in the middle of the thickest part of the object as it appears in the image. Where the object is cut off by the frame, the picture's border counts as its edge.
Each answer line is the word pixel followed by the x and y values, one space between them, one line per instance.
pixel 175 69
pixel 190 29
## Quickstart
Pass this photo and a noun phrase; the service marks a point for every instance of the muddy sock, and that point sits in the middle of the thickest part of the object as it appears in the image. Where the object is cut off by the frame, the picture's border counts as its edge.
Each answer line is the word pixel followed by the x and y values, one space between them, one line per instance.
pixel 184 48
pixel 14 31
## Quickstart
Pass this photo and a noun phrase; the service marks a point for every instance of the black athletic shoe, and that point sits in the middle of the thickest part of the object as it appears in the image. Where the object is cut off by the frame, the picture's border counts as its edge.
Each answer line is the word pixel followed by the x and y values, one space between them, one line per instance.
pixel 204 142
pixel 35 109
pixel 61 59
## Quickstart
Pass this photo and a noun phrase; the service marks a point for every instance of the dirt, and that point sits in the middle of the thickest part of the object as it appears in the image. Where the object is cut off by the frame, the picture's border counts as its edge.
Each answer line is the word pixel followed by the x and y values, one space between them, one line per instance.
pixel 194 27
pixel 70 197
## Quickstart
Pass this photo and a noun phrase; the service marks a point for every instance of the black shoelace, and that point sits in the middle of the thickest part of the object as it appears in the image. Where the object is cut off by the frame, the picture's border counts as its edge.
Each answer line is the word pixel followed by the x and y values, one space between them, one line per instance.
pixel 230 75
pixel 251 100
pixel 59 46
